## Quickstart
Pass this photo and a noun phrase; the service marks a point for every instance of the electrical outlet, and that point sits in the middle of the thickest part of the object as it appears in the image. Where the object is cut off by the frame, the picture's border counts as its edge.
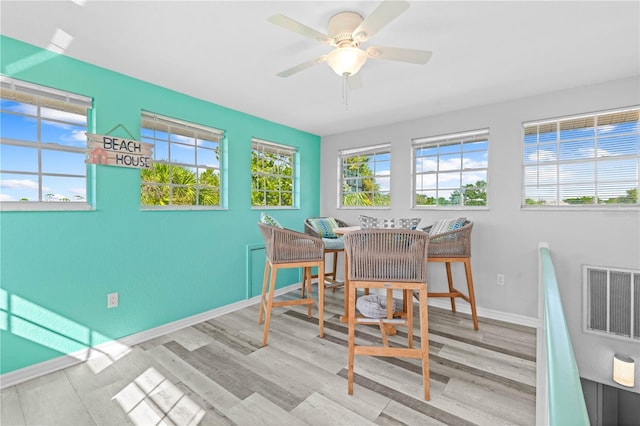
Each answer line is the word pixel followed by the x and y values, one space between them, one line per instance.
pixel 500 279
pixel 112 300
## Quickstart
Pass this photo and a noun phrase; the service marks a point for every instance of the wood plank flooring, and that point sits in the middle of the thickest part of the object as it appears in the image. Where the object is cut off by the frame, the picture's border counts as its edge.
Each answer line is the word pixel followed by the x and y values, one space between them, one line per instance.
pixel 216 373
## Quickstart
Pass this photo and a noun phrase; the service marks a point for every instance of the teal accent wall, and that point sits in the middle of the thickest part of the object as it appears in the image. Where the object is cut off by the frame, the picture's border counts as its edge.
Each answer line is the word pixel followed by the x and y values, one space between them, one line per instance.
pixel 56 268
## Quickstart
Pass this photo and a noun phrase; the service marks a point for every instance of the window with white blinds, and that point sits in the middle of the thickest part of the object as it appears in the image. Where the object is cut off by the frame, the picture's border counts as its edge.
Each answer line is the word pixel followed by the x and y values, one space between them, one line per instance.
pixel 451 170
pixel 43 146
pixel 187 164
pixel 587 160
pixel 365 177
pixel 272 174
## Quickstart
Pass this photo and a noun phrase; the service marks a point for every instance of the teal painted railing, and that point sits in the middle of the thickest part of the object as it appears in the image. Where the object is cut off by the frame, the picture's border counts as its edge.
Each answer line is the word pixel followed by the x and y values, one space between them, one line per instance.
pixel 560 397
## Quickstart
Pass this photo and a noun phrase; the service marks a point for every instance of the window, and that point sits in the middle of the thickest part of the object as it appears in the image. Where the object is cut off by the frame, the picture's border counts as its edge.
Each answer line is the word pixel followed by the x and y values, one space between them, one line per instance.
pixel 587 160
pixel 186 169
pixel 43 145
pixel 451 170
pixel 365 179
pixel 272 174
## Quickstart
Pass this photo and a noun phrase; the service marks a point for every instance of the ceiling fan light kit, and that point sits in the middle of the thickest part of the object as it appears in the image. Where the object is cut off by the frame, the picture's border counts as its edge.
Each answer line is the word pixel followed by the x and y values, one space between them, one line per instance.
pixel 346 61
pixel 346 30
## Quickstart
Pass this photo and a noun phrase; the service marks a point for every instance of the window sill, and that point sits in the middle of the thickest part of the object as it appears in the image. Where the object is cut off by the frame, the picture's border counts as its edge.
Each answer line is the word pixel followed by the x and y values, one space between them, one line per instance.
pixel 10 206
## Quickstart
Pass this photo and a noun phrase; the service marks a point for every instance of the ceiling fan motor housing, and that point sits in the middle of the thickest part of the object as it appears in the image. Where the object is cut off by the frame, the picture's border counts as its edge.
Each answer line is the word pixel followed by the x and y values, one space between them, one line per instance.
pixel 341 28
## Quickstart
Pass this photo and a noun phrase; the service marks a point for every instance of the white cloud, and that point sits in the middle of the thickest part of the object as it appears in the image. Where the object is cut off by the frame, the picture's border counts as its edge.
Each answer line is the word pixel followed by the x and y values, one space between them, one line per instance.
pixel 18 184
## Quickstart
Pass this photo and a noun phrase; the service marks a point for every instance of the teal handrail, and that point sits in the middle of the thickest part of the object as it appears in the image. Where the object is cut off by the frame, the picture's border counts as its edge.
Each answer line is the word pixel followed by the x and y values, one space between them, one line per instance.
pixel 566 400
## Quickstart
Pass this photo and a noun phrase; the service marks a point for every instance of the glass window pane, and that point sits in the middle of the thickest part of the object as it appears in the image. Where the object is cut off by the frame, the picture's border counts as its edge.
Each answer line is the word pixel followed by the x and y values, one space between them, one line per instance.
pixel 577 172
pixel 574 150
pixel 475 160
pixel 19 107
pixel 581 194
pixel 618 145
pixel 618 170
pixel 63 134
pixel 450 148
pixel 67 189
pixel 18 127
pixel 449 162
pixel 18 158
pixel 18 187
pixel 65 116
pixel 183 154
pixel 476 146
pixel 448 180
pixel 63 162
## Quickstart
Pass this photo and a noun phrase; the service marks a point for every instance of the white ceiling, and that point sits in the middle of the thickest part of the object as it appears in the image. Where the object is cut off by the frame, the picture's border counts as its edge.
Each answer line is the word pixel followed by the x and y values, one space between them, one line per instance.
pixel 227 53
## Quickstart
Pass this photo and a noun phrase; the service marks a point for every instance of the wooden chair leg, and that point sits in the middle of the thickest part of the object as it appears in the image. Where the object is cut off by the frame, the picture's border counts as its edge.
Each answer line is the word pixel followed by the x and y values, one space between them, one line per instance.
pixel 472 297
pixel 409 311
pixel 320 299
pixel 264 291
pixel 424 345
pixel 304 283
pixel 352 334
pixel 450 281
pixel 334 271
pixel 272 287
pixel 306 273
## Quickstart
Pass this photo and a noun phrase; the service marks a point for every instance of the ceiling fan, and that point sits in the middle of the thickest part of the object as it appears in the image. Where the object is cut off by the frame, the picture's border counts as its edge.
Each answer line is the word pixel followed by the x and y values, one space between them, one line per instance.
pixel 346 31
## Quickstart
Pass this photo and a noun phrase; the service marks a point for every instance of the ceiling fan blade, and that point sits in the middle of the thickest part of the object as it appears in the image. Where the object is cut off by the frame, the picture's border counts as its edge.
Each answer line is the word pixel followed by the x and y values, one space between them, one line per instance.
pixel 297 27
pixel 399 54
pixel 301 67
pixel 386 12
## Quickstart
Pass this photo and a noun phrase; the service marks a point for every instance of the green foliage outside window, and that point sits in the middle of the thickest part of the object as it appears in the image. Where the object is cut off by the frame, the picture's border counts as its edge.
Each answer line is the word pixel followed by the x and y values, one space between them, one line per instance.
pixel 166 184
pixel 631 197
pixel 467 195
pixel 271 178
pixel 359 186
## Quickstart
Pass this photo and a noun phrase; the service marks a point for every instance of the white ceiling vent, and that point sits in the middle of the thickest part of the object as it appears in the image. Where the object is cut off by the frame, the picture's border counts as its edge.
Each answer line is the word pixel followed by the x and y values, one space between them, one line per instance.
pixel 611 301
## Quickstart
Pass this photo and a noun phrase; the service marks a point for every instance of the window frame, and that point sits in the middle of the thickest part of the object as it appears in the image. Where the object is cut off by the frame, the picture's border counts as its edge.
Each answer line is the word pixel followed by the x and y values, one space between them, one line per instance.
pixel 443 140
pixel 558 202
pixel 40 97
pixel 364 151
pixel 263 146
pixel 198 132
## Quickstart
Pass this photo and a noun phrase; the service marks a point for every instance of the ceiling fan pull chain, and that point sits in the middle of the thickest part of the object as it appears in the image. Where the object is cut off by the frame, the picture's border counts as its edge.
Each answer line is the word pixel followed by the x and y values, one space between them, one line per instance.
pixel 345 89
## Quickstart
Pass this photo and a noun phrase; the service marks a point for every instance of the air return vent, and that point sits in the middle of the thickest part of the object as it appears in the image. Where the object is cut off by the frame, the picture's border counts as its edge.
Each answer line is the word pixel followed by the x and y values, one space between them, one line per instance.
pixel 612 301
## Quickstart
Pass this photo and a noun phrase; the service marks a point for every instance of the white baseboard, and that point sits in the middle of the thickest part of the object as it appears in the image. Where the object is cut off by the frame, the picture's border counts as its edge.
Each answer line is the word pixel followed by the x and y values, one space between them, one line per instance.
pixel 486 313
pixel 118 346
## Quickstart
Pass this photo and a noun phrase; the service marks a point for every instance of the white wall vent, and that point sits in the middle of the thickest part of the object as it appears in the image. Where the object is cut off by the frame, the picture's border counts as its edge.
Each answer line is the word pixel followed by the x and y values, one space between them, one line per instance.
pixel 611 301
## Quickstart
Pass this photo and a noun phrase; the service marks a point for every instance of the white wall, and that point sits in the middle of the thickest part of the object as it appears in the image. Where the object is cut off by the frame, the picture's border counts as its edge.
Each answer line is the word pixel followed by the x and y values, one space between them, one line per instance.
pixel 505 237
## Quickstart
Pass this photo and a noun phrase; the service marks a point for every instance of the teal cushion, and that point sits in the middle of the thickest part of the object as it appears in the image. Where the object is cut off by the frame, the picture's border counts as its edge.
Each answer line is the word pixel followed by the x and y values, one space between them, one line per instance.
pixel 269 220
pixel 324 226
pixel 333 243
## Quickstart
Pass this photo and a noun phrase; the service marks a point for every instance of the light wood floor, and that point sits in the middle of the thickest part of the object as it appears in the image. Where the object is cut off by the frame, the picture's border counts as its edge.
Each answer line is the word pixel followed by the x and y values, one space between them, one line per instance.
pixel 216 372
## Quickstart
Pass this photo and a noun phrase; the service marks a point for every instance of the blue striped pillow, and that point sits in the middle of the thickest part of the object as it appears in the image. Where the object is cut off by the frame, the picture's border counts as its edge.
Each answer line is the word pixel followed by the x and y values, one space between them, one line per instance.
pixel 324 226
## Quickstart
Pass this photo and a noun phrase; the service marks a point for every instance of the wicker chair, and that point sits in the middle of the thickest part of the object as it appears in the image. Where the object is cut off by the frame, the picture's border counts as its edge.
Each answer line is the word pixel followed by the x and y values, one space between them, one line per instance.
pixel 454 246
pixel 289 249
pixel 331 245
pixel 389 259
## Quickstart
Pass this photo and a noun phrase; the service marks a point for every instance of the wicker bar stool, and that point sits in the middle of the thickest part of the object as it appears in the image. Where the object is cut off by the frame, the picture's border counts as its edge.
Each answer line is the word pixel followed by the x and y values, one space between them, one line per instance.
pixel 335 245
pixel 454 246
pixel 289 249
pixel 388 259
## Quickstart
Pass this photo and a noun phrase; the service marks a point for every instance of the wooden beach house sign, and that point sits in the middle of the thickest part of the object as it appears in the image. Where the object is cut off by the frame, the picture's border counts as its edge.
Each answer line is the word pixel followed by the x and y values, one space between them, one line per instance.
pixel 112 151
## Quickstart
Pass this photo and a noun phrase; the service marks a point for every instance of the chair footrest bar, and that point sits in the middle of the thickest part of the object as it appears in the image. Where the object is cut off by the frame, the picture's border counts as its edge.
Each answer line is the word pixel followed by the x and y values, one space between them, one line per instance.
pixel 293 302
pixel 390 352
